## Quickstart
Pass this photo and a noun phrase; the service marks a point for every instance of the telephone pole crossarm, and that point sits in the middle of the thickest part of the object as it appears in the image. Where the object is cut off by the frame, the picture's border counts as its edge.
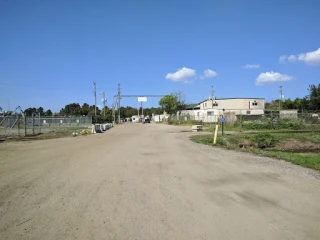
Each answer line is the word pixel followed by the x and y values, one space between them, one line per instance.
pixel 134 96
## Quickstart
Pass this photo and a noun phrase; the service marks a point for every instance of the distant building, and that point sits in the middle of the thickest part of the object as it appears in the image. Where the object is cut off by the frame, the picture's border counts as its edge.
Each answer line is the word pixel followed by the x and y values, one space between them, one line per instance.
pixel 286 113
pixel 211 110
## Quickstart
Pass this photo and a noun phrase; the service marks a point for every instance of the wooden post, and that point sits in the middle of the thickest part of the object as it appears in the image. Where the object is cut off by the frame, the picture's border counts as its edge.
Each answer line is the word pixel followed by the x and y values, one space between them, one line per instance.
pixel 215 134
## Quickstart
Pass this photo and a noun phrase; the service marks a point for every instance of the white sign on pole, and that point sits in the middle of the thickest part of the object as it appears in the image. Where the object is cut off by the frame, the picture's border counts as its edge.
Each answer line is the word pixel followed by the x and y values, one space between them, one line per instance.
pixel 142 99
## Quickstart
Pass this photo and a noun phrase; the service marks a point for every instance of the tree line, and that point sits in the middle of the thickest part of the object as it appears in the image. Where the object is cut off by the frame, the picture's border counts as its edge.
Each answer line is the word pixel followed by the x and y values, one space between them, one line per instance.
pixel 102 115
pixel 311 102
pixel 171 103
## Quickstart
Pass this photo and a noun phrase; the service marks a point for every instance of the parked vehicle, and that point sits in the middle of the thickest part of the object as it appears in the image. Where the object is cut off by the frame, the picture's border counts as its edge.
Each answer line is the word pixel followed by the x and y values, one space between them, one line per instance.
pixel 147 120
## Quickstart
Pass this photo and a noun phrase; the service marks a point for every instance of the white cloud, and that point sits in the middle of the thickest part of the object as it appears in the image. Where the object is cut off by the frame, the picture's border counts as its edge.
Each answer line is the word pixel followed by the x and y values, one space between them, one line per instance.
pixel 272 77
pixel 208 73
pixel 310 58
pixel 248 66
pixel 283 59
pixel 292 58
pixel 182 75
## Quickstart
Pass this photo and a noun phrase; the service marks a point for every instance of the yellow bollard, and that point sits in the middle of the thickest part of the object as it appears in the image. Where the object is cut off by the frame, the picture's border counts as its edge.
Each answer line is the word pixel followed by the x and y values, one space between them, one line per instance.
pixel 215 135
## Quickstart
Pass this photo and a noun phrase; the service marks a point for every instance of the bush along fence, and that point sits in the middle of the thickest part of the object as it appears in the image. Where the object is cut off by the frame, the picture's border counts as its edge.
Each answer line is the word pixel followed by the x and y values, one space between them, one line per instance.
pixel 273 120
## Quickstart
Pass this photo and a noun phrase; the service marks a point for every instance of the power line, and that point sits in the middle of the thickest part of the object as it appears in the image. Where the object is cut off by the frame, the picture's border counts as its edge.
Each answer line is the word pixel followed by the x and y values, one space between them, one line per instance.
pixel 134 96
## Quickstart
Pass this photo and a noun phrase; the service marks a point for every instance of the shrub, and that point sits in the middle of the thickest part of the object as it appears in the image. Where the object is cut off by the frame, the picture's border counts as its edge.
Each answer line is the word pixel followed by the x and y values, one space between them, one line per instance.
pixel 221 142
pixel 265 140
pixel 188 122
pixel 273 124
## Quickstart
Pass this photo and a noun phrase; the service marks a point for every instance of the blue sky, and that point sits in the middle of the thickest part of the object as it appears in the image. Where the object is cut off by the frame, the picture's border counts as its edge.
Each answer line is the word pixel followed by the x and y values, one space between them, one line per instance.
pixel 52 51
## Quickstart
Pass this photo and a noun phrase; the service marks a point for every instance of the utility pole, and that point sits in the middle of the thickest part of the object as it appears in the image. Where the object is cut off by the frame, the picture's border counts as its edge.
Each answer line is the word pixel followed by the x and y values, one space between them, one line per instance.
pixel 95 98
pixel 104 103
pixel 280 100
pixel 212 94
pixel 119 97
pixel 141 109
pixel 114 104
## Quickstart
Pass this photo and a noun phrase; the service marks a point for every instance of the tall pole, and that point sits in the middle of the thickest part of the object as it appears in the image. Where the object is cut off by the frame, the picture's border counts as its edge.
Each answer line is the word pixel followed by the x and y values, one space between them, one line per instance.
pixel 141 109
pixel 95 98
pixel 104 103
pixel 212 94
pixel 113 110
pixel 119 97
pixel 280 98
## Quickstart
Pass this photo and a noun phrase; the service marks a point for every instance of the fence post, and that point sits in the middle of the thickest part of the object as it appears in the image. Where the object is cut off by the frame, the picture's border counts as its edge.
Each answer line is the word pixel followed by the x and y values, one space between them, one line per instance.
pixel 32 123
pixel 25 125
pixel 39 124
pixel 18 125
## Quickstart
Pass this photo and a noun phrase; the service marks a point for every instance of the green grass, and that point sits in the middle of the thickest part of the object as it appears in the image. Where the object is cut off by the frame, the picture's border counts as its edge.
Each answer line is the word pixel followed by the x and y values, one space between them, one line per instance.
pixel 273 143
pixel 308 160
pixel 184 123
pixel 226 127
pixel 265 124
pixel 55 133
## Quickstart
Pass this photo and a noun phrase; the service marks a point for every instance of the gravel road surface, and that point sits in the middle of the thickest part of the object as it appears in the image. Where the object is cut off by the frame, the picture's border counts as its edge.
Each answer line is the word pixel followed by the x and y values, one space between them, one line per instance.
pixel 149 181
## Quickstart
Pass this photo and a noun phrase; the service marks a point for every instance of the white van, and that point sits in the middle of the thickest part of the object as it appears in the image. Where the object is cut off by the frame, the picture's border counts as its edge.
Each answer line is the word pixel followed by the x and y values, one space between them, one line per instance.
pixel 135 119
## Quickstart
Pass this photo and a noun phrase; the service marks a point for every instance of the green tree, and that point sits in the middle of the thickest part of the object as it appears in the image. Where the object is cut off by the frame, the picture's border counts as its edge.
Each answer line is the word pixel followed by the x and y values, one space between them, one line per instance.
pixel 71 109
pixel 85 109
pixel 181 100
pixel 314 95
pixel 48 113
pixel 288 104
pixel 92 112
pixel 29 111
pixel 40 110
pixel 169 103
pixel 130 111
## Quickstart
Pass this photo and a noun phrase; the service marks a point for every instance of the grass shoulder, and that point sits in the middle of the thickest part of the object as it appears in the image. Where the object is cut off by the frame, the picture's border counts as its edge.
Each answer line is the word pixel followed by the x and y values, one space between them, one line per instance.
pixel 299 148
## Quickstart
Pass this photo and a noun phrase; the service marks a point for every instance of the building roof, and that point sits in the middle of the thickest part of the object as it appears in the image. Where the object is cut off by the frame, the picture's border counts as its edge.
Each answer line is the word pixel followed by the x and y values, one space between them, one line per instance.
pixel 192 106
pixel 228 99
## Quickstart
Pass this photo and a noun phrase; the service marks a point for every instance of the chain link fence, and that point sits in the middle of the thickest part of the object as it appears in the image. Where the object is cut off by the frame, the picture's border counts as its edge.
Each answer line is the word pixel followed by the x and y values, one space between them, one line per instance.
pixel 17 125
pixel 305 118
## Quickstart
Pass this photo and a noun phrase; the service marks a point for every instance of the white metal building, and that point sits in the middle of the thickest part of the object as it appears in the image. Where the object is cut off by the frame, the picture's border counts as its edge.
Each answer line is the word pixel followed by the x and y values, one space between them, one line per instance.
pixel 211 110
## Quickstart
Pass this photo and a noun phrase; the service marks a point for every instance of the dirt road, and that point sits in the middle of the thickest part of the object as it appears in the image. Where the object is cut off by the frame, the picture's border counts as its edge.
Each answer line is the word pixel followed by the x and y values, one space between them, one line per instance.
pixel 150 182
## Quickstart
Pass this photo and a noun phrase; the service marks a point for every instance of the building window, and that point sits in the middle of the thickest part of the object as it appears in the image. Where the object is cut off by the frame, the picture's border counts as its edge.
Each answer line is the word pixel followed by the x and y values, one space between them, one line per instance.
pixel 248 112
pixel 215 104
pixel 205 104
pixel 254 103
pixel 210 113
